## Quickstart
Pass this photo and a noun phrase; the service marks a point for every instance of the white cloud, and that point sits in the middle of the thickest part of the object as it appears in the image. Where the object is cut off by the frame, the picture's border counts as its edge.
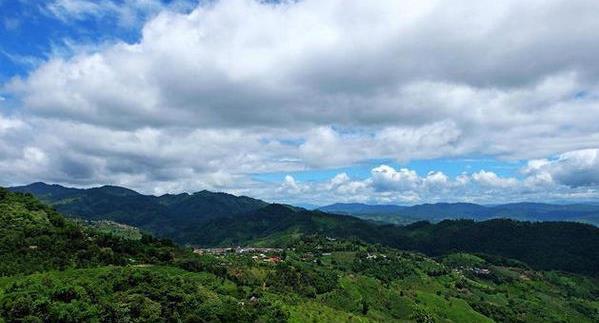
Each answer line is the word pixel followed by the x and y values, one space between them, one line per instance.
pixel 339 179
pixel 578 168
pixel 490 179
pixel 290 184
pixel 10 124
pixel 343 185
pixel 75 8
pixel 385 178
pixel 389 185
pixel 234 88
pixel 436 180
pixel 232 64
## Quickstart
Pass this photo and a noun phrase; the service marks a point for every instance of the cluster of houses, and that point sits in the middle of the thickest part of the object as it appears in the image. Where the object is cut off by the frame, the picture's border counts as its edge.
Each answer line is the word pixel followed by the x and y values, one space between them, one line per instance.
pixel 268 255
pixel 475 270
pixel 375 256
pixel 238 250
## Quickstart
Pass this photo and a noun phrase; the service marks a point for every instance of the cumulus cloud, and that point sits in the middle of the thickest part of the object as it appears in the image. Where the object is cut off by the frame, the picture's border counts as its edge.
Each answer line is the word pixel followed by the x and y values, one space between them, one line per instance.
pixel 290 185
pixel 385 178
pixel 490 179
pixel 575 169
pixel 405 186
pixel 209 96
pixel 436 181
pixel 233 62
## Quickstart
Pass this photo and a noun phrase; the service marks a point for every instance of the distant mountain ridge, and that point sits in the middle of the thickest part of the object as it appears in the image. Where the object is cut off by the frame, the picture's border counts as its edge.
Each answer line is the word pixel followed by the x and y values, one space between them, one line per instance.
pixel 348 208
pixel 152 212
pixel 525 211
pixel 220 219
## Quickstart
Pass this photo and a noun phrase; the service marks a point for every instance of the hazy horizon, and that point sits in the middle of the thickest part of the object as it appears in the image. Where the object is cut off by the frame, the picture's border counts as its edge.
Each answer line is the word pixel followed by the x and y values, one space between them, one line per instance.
pixel 316 206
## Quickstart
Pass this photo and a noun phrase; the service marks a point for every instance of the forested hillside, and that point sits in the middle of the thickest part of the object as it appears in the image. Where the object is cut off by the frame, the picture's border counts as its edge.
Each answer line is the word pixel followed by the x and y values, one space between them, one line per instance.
pixel 565 246
pixel 56 270
pixel 35 238
pixel 218 219
pixel 164 215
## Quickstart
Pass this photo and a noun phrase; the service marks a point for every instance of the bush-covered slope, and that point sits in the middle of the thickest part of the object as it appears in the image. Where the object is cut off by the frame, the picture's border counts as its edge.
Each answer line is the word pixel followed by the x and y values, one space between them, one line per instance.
pixel 35 238
pixel 126 294
pixel 318 281
pixel 272 221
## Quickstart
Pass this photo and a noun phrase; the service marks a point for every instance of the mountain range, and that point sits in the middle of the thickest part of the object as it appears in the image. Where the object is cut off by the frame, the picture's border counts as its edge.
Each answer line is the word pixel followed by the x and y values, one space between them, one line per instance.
pixel 118 203
pixel 585 213
pixel 55 269
pixel 218 219
pixel 162 215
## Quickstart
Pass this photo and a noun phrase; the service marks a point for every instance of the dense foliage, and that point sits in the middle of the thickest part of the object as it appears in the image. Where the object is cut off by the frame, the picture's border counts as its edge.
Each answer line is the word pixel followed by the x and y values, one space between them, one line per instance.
pixel 566 246
pixel 117 294
pixel 35 238
pixel 316 278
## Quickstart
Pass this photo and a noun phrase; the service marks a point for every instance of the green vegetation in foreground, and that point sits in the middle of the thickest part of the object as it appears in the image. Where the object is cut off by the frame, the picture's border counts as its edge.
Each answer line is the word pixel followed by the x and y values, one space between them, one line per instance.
pixel 317 279
pixel 35 238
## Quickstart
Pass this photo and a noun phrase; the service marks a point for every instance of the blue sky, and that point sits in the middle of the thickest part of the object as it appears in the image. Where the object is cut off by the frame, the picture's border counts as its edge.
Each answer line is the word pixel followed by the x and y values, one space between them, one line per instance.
pixel 451 167
pixel 31 33
pixel 303 101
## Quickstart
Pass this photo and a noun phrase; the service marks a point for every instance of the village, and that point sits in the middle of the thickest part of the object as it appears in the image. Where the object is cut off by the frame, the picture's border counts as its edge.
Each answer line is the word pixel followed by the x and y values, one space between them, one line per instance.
pixel 267 255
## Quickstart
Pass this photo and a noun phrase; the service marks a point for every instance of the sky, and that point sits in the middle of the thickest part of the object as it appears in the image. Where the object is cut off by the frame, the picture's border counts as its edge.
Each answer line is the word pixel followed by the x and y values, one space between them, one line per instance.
pixel 305 102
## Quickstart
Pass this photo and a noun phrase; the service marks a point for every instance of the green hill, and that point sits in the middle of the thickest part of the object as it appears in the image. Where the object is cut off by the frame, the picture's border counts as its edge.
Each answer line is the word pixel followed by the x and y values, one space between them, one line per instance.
pixel 35 238
pixel 163 215
pixel 57 270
